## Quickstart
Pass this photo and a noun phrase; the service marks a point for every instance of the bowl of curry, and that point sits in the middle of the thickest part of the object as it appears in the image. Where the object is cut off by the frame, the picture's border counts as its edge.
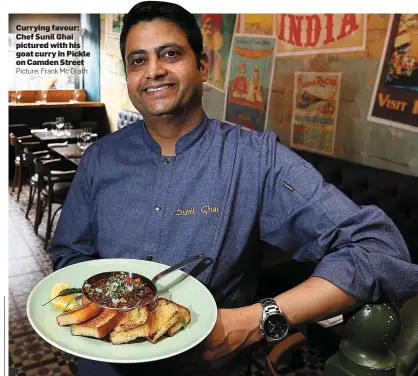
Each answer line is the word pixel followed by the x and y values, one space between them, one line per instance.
pixel 119 290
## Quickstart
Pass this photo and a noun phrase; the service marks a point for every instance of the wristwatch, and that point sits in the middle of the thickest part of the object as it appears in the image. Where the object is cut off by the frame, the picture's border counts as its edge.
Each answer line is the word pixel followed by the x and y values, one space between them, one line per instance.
pixel 273 324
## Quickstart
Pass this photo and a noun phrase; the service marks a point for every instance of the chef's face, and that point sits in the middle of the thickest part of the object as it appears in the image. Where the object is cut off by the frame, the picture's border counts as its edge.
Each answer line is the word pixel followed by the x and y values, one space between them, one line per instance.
pixel 163 75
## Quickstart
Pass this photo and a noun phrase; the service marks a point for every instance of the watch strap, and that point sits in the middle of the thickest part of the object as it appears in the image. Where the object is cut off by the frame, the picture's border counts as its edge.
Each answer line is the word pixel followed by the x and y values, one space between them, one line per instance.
pixel 270 306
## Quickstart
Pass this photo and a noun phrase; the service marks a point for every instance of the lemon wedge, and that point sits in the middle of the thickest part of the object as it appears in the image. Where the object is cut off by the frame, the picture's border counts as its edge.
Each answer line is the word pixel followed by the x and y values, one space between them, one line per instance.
pixel 63 303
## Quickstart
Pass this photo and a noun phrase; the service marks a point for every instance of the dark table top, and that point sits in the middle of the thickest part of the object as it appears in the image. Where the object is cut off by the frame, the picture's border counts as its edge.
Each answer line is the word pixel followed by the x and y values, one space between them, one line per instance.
pixel 71 152
pixel 52 136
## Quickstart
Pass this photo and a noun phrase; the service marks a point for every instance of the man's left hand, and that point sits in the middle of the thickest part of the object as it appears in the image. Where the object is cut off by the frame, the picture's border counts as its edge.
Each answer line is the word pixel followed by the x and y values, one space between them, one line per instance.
pixel 234 329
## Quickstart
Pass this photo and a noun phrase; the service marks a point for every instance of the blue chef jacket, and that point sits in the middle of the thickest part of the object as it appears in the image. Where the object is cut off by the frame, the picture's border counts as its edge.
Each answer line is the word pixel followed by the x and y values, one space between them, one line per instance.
pixel 225 190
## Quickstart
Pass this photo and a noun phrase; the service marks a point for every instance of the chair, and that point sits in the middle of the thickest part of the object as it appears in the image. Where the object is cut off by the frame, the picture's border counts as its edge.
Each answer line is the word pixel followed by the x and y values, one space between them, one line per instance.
pixel 22 145
pixel 283 352
pixel 54 181
pixel 33 180
pixel 18 130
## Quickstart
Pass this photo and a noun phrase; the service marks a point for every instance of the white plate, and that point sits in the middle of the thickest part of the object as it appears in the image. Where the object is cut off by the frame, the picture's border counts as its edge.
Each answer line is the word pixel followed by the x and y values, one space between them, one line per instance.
pixel 182 288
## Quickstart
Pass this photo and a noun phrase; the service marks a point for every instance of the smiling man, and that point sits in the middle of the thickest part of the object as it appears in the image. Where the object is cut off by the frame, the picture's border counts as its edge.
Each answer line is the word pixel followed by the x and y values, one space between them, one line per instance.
pixel 144 192
pixel 164 79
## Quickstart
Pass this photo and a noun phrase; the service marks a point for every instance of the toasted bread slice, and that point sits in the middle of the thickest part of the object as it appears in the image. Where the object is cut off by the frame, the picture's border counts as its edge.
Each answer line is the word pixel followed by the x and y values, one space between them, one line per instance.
pixel 184 319
pixel 78 315
pixel 128 335
pixel 132 319
pixel 164 315
pixel 97 327
pixel 131 325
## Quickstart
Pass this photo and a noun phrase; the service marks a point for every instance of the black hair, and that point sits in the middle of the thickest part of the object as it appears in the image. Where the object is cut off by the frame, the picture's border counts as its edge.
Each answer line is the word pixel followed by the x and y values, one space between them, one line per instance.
pixel 147 11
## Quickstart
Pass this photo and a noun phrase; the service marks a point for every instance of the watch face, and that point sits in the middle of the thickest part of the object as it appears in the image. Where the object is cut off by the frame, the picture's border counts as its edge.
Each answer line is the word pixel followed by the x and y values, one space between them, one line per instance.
pixel 275 326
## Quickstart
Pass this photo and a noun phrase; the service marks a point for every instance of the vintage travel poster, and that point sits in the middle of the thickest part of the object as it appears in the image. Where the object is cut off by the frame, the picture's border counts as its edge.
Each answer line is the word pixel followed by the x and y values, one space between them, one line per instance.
pixel 257 24
pixel 302 34
pixel 315 109
pixel 217 31
pixel 395 97
pixel 249 81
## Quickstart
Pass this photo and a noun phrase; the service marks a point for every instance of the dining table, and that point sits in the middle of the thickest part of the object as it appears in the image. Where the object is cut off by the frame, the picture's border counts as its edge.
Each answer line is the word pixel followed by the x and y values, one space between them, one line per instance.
pixel 50 136
pixel 70 152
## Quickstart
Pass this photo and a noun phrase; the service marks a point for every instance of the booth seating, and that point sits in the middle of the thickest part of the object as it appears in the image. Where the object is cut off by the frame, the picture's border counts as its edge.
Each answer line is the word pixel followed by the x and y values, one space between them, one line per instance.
pixel 396 194
pixel 126 117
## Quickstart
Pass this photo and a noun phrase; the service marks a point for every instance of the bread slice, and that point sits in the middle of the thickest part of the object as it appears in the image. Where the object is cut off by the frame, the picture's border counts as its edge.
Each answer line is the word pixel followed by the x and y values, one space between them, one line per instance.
pixel 132 319
pixel 78 315
pixel 183 320
pixel 164 315
pixel 97 327
pixel 129 335
pixel 131 325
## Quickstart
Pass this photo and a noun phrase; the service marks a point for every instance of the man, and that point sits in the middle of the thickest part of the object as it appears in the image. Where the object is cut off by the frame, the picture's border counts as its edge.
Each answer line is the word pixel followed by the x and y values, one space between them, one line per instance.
pixel 131 187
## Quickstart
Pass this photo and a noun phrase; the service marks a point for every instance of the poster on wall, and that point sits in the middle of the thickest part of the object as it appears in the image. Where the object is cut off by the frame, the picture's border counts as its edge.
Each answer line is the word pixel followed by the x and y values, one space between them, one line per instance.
pixel 217 31
pixel 256 24
pixel 114 23
pixel 395 96
pixel 303 34
pixel 315 109
pixel 113 58
pixel 249 81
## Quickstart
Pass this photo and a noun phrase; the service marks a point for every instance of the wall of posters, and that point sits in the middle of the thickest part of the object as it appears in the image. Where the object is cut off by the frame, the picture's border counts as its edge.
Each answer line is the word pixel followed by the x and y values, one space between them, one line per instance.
pixel 217 31
pixel 395 97
pixel 315 109
pixel 302 34
pixel 249 81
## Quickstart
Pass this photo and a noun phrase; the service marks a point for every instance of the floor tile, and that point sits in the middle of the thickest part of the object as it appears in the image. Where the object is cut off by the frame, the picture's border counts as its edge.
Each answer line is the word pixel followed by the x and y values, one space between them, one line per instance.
pixel 18 248
pixel 23 265
pixel 20 285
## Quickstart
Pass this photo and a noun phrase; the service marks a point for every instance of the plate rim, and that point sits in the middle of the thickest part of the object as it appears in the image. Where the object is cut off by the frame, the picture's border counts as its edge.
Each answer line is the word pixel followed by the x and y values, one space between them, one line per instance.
pixel 105 359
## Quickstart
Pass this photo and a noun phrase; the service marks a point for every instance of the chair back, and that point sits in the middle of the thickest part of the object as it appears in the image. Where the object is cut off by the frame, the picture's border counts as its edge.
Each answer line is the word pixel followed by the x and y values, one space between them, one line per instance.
pixel 41 170
pixel 12 139
pixel 53 171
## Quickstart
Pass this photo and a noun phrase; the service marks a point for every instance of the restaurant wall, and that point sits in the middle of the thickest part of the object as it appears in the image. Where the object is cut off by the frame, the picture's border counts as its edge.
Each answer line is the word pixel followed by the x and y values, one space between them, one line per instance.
pixel 356 138
pixel 113 91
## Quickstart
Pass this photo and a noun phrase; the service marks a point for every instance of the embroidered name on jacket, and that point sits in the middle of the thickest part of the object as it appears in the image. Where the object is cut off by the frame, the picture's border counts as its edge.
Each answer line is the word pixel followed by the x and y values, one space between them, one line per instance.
pixel 205 210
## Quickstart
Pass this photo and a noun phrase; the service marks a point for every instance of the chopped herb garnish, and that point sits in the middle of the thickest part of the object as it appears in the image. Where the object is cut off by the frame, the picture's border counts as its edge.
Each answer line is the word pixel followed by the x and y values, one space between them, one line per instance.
pixel 183 322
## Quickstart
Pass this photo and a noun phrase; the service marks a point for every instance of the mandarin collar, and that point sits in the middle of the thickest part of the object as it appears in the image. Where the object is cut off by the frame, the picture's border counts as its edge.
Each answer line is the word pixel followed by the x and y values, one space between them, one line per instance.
pixel 184 143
